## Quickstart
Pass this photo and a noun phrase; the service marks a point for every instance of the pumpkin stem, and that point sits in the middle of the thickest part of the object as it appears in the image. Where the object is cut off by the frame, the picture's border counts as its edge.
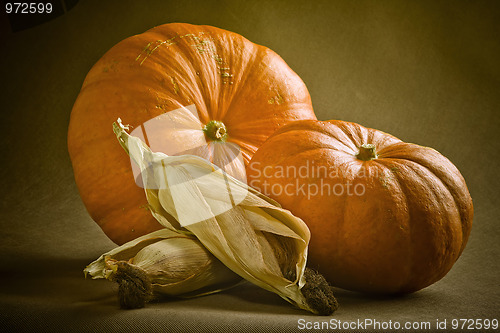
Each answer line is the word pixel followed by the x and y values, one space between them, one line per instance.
pixel 215 130
pixel 367 152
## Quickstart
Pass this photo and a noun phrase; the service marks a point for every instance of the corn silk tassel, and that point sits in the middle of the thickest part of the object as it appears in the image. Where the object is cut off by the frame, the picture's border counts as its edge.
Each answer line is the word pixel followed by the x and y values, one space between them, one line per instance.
pixel 248 232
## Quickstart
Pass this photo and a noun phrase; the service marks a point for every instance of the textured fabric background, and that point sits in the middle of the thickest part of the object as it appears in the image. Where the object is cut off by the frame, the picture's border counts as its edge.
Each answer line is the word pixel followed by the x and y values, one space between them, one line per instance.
pixel 427 72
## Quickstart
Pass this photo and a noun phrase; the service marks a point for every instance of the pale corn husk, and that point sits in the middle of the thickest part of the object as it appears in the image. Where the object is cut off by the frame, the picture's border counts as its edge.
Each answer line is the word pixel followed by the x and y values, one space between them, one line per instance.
pixel 247 231
pixel 176 264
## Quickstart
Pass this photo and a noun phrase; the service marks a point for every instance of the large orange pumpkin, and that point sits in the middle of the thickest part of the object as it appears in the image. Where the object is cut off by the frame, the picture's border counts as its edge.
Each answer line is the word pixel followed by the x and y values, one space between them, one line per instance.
pixel 242 93
pixel 385 216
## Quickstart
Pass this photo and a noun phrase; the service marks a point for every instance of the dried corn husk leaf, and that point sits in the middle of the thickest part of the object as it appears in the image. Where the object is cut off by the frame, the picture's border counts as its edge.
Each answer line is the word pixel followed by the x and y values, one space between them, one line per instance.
pixel 248 232
pixel 175 264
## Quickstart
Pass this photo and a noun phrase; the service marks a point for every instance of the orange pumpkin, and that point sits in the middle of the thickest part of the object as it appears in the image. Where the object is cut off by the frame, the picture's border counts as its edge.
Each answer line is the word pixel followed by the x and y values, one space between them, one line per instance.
pixel 242 92
pixel 385 216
